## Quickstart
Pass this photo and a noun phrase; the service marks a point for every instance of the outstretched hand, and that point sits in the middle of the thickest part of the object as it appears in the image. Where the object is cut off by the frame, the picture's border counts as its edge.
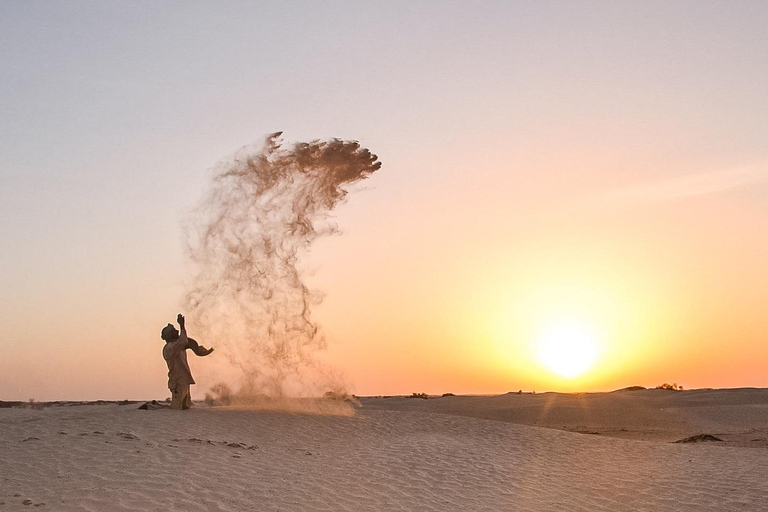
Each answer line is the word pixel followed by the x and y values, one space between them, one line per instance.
pixel 180 319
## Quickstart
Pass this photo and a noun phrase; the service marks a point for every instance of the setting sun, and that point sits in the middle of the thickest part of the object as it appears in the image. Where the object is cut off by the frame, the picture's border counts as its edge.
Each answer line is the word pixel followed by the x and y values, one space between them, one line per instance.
pixel 567 348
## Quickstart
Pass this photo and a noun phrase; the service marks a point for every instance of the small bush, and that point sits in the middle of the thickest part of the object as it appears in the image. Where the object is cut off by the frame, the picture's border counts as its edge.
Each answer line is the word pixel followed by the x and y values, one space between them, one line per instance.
pixel 33 404
pixel 420 395
pixel 670 387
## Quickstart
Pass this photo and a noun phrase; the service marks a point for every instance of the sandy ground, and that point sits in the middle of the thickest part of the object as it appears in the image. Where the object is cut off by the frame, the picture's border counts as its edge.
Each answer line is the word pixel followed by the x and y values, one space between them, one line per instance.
pixel 737 416
pixel 393 454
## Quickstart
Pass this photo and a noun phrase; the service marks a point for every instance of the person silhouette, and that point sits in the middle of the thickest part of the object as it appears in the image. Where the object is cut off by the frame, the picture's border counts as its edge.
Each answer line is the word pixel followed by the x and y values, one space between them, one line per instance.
pixel 175 355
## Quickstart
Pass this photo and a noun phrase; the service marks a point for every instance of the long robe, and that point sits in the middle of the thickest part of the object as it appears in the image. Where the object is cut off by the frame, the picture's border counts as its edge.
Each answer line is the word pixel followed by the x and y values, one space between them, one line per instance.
pixel 175 355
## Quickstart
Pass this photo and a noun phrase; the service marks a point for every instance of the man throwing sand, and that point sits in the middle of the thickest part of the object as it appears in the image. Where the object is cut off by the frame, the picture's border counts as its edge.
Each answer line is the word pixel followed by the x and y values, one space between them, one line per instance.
pixel 175 354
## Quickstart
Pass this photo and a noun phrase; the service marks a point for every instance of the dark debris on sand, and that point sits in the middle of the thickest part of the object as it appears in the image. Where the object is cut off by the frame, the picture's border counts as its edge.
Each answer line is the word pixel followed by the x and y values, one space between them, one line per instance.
pixel 153 405
pixel 699 438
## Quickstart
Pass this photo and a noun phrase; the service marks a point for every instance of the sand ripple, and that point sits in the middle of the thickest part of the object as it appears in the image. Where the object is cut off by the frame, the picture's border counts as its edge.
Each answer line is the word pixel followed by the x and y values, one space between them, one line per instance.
pixel 107 457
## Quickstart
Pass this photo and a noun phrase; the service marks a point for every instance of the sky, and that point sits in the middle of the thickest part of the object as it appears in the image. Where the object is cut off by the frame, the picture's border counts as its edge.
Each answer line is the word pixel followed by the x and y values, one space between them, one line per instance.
pixel 597 168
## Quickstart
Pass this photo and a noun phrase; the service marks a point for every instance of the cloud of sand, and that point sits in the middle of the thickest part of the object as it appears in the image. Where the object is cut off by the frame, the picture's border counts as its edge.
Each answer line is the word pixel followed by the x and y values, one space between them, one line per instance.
pixel 331 404
pixel 266 206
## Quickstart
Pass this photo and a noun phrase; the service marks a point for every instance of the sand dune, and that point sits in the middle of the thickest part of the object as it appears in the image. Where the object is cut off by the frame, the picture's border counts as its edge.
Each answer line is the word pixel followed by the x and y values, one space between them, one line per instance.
pixel 738 416
pixel 111 457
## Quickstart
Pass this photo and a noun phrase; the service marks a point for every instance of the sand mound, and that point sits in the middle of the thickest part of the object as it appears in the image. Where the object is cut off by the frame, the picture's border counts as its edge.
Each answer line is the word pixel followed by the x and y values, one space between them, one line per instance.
pixel 738 416
pixel 699 438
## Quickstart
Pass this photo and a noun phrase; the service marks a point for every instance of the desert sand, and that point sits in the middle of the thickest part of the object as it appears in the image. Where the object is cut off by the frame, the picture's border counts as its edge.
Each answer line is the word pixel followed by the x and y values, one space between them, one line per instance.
pixel 510 452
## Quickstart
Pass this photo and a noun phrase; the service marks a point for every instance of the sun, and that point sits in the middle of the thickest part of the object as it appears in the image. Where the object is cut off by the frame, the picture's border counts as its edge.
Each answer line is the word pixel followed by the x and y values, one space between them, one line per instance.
pixel 567 348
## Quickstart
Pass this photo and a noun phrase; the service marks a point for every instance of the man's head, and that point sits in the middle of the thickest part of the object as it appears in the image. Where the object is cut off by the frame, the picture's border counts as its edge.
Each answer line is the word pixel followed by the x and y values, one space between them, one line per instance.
pixel 169 333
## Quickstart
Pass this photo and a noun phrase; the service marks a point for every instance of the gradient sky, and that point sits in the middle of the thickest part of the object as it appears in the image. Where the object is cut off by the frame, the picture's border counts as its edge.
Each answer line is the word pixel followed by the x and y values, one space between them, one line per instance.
pixel 600 162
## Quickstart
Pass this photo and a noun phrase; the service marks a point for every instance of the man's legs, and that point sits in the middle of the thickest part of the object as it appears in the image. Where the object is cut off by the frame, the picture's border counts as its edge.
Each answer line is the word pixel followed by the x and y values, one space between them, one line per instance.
pixel 187 399
pixel 180 398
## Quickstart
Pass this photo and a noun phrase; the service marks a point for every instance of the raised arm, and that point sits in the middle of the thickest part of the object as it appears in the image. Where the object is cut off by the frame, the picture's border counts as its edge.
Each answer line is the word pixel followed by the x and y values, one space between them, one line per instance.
pixel 183 327
pixel 183 341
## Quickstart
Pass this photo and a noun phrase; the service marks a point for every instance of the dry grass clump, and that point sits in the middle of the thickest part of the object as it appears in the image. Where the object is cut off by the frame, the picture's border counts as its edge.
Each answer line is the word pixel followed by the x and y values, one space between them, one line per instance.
pixel 671 387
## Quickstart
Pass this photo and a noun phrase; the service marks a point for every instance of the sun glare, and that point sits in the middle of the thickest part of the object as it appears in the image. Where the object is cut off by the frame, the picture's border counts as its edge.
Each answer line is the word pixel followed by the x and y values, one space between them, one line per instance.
pixel 568 349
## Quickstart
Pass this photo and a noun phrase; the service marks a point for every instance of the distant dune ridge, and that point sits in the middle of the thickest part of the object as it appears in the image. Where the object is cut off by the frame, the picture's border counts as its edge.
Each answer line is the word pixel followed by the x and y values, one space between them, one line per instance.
pixel 738 416
pixel 452 453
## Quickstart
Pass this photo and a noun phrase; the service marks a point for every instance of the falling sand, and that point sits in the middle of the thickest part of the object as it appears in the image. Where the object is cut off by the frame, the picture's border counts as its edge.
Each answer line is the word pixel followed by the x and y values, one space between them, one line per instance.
pixel 265 208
